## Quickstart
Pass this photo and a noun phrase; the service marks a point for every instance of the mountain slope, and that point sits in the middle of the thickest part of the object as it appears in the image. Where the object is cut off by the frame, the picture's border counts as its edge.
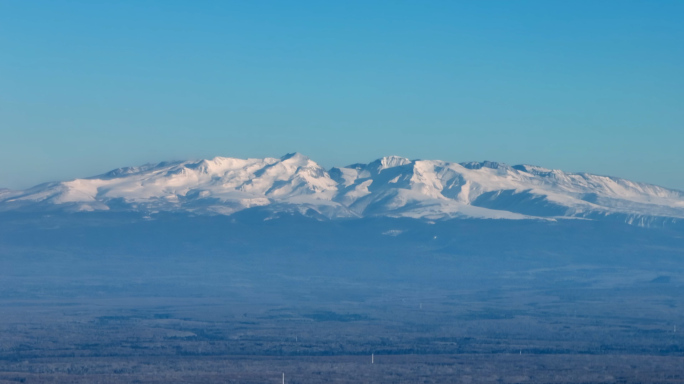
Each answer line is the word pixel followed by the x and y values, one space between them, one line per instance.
pixel 391 186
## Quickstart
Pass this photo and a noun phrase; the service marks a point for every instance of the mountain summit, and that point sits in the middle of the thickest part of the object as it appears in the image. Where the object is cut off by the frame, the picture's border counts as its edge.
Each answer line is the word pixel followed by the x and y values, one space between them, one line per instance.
pixel 392 186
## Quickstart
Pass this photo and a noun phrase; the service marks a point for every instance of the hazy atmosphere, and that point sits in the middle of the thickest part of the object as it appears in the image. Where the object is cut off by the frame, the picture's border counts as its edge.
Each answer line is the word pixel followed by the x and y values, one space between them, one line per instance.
pixel 341 192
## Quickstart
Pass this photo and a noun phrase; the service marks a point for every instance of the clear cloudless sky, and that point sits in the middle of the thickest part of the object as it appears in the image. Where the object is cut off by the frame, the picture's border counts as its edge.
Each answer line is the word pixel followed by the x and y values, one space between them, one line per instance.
pixel 591 86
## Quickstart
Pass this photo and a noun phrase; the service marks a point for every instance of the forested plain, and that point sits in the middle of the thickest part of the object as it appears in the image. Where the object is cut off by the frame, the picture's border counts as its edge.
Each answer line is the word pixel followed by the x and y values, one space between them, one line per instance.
pixel 124 298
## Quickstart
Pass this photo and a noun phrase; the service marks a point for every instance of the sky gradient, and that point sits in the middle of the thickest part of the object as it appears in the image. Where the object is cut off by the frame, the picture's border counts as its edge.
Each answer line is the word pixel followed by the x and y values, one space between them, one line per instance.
pixel 592 86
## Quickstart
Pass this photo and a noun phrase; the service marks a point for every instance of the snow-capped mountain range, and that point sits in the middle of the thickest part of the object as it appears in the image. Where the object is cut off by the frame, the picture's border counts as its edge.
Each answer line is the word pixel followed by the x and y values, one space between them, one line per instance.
pixel 391 187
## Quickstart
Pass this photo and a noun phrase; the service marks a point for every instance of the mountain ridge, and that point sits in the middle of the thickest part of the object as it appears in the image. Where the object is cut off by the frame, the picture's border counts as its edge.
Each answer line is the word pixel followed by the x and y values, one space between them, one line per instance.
pixel 390 186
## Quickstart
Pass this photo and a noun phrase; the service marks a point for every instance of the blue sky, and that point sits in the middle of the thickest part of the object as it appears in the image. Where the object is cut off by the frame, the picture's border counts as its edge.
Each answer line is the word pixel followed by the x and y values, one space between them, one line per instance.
pixel 595 86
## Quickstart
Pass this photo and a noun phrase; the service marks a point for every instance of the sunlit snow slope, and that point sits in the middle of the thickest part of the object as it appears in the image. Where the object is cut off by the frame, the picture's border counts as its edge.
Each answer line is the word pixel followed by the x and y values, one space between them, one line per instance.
pixel 391 186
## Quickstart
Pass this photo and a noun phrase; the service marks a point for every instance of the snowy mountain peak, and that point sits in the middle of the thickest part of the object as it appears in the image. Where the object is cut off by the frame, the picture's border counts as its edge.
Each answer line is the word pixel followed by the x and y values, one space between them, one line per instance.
pixel 391 162
pixel 485 164
pixel 533 169
pixel 295 157
pixel 390 186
